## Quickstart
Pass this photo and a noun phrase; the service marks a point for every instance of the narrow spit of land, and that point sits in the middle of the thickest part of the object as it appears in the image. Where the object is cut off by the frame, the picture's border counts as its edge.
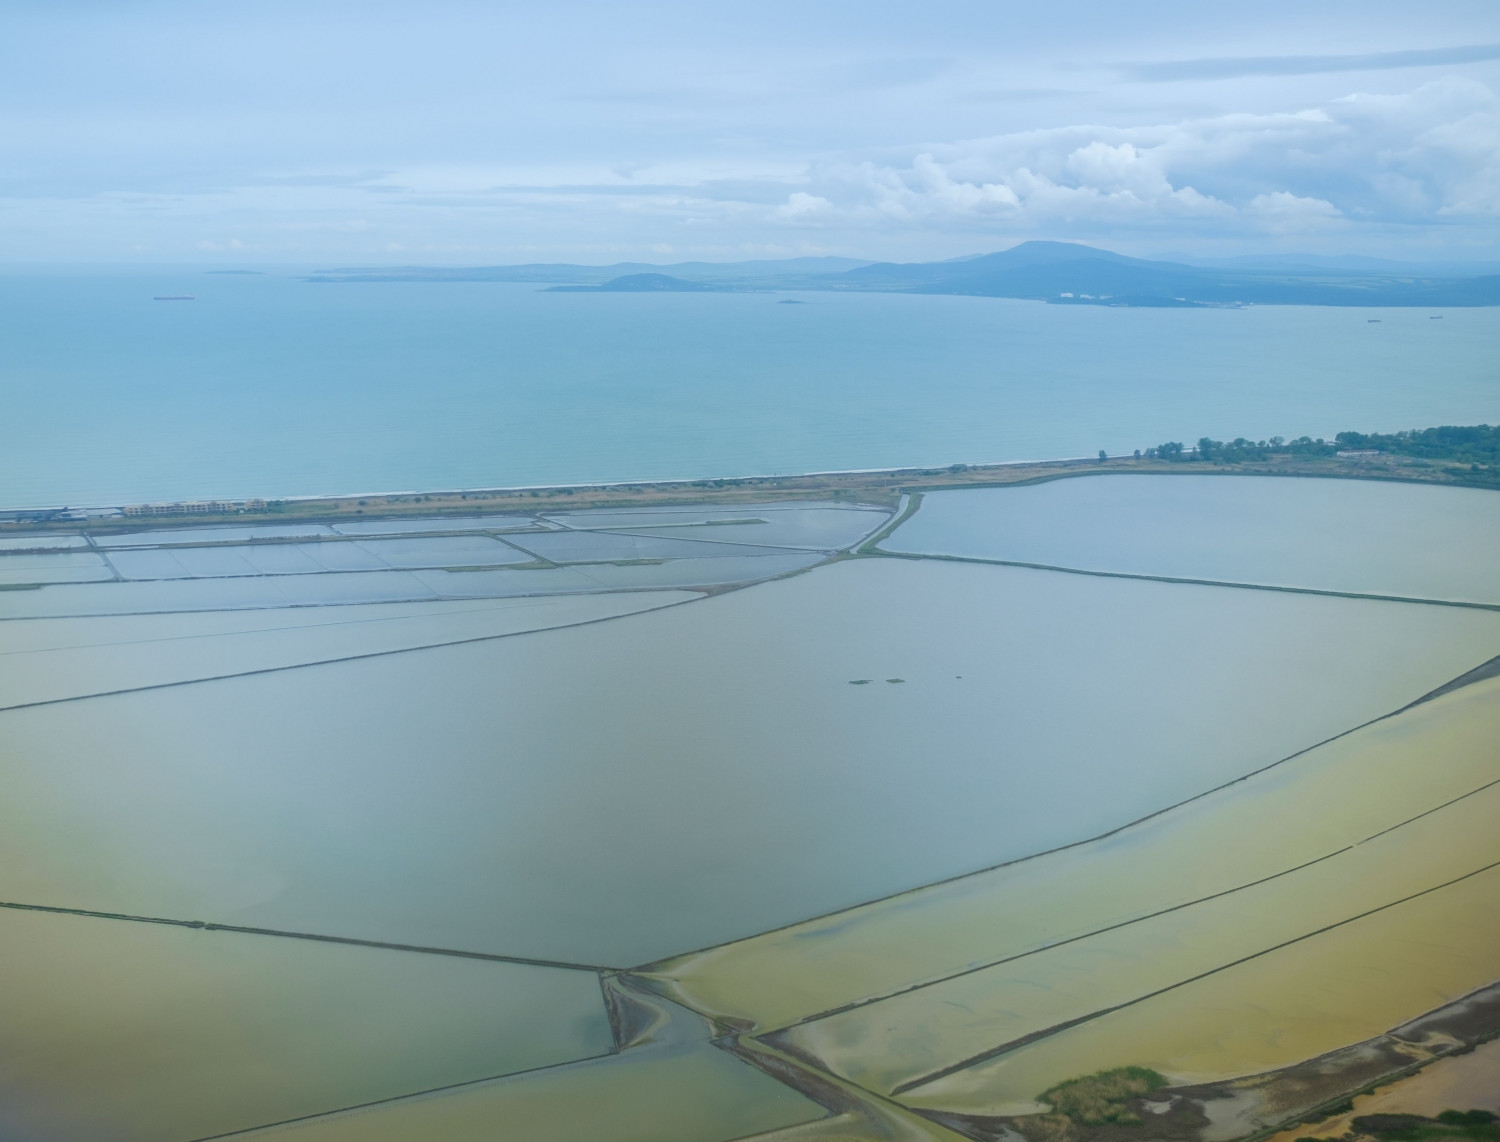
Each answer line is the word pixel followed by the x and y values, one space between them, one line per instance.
pixel 884 487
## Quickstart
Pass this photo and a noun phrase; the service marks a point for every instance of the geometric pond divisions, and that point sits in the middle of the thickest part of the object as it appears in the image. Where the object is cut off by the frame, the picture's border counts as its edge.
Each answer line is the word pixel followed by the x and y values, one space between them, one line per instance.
pixel 68 659
pixel 108 571
pixel 1318 902
pixel 604 793
pixel 1347 890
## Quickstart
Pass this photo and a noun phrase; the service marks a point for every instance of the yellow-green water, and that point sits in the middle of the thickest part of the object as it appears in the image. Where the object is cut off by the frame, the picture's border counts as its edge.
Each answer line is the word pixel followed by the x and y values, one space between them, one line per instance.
pixel 1194 944
pixel 132 1032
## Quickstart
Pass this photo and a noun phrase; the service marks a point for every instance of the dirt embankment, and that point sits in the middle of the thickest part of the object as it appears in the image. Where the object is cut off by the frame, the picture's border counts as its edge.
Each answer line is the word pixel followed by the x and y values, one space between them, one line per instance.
pixel 880 487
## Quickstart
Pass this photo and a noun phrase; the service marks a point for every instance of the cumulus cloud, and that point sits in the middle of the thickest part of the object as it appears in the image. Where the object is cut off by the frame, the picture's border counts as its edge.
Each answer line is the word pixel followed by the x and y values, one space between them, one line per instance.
pixel 1419 158
pixel 800 204
pixel 1282 210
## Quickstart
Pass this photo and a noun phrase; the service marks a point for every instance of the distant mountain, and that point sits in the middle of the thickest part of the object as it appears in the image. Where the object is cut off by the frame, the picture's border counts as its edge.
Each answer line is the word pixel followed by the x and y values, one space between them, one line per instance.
pixel 1033 269
pixel 642 283
pixel 1062 273
pixel 1068 273
pixel 980 267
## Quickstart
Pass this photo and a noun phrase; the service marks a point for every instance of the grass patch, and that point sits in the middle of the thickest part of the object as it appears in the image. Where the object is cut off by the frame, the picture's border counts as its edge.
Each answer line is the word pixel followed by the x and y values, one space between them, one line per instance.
pixel 1046 1128
pixel 1105 1097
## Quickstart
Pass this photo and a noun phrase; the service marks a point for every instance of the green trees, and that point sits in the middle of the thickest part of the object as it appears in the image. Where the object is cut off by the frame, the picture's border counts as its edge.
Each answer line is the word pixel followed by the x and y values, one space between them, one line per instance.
pixel 1472 451
pixel 1472 444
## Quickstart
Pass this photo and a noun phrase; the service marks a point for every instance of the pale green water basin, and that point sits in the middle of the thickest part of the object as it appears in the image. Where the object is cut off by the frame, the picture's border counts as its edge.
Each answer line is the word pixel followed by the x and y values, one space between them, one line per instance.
pixel 824 531
pixel 113 1031
pixel 197 535
pixel 1362 536
pixel 681 1093
pixel 598 546
pixel 53 567
pixel 447 523
pixel 48 541
pixel 50 659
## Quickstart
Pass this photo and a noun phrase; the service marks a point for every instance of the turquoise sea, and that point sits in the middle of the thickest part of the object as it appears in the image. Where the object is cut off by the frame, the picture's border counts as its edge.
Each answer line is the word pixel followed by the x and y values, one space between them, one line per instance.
pixel 269 385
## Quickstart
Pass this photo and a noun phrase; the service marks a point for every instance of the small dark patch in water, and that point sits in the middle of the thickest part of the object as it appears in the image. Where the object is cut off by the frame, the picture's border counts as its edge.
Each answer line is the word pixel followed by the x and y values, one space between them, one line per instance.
pixel 895 679
pixel 860 681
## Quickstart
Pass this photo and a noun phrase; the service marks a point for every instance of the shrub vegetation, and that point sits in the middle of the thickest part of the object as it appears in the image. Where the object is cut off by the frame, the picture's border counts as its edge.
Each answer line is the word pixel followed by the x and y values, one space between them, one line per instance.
pixel 1105 1097
pixel 1471 444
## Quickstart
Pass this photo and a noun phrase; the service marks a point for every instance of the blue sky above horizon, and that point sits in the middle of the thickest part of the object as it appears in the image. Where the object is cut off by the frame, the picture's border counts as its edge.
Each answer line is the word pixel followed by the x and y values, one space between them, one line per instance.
pixel 457 132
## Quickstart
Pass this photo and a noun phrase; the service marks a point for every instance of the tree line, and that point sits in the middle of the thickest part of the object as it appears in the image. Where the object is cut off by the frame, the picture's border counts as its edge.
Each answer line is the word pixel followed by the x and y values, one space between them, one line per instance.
pixel 1477 446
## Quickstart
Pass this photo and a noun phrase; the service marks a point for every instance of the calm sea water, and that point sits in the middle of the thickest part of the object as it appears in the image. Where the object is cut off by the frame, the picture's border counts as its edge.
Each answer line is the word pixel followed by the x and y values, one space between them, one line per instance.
pixel 267 385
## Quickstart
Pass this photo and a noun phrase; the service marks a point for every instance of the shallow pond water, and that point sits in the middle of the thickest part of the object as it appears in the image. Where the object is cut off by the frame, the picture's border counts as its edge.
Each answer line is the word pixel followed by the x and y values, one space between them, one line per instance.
pixel 114 1031
pixel 195 535
pixel 820 530
pixel 41 541
pixel 823 527
pixel 215 594
pixel 727 778
pixel 679 1093
pixel 49 659
pixel 1368 536
pixel 600 546
pixel 446 523
pixel 53 567
pixel 1393 782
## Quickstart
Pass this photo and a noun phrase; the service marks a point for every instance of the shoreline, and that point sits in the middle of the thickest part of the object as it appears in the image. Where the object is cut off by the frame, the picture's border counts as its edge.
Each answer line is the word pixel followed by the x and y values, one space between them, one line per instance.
pixel 877 486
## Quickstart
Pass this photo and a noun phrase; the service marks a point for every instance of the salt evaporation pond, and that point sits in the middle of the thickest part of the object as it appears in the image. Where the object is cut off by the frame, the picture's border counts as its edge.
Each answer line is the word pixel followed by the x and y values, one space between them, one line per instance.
pixel 727 777
pixel 1364 536
pixel 611 770
pixel 46 660
pixel 148 1032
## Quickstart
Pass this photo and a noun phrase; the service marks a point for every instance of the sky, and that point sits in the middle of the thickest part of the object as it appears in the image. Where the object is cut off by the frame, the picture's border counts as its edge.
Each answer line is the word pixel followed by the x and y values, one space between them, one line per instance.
pixel 451 132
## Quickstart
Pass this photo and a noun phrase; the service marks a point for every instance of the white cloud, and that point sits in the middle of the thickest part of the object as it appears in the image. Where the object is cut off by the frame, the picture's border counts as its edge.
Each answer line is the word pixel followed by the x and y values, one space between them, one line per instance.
pixel 800 204
pixel 1282 210
pixel 1371 172
pixel 1423 157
